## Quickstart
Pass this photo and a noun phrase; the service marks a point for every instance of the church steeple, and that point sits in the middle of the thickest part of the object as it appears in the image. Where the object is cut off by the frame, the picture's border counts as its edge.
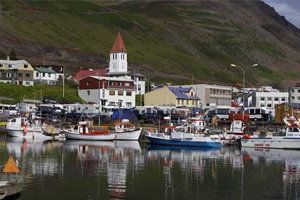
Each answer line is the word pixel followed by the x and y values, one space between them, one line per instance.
pixel 118 57
pixel 118 45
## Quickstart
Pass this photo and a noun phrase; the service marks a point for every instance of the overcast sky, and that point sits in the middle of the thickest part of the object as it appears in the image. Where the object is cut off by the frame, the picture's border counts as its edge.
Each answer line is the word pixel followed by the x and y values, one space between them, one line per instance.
pixel 290 9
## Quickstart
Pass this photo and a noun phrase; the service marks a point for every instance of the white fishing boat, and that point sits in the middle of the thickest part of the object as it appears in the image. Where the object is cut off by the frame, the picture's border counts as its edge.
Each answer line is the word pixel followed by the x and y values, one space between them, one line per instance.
pixel 235 133
pixel 126 131
pixel 85 131
pixel 23 128
pixel 291 140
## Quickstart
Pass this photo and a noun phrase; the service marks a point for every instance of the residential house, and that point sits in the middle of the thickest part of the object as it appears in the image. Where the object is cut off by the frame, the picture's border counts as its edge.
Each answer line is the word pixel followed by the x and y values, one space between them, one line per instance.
pixel 19 72
pixel 59 70
pixel 108 92
pixel 172 96
pixel 44 75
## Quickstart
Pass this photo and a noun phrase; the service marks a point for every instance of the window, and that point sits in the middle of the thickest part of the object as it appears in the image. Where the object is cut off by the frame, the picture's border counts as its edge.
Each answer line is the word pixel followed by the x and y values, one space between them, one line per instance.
pixel 20 74
pixel 262 98
pixel 128 104
pixel 88 93
pixel 276 99
pixel 283 99
pixel 49 75
pixel 127 84
pixel 88 83
pixel 1 65
pixel 269 105
pixel 37 74
pixel 178 101
pixel 128 93
pixel 27 83
pixel 43 74
pixel 27 75
pixel 120 93
pixel 298 97
pixel 116 56
pixel 293 98
pixel 269 98
pixel 111 92
pixel 25 66
pixel 262 105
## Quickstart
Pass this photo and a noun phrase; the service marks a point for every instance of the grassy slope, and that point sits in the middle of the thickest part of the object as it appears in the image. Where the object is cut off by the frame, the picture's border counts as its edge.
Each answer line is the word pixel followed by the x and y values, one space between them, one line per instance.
pixel 18 93
pixel 175 41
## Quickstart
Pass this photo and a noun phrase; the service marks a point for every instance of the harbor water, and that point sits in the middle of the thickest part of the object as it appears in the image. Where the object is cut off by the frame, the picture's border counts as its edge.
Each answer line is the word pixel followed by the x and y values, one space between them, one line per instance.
pixel 130 170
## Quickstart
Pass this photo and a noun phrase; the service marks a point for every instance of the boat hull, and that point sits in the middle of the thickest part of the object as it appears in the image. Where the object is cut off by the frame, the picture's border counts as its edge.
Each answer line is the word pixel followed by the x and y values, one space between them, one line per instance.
pixel 128 135
pixel 74 136
pixel 272 142
pixel 30 134
pixel 186 143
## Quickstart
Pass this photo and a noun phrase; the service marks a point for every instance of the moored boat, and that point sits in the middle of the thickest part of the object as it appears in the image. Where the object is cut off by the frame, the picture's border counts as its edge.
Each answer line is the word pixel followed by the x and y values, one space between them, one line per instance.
pixel 84 131
pixel 182 137
pixel 126 131
pixel 23 128
pixel 291 140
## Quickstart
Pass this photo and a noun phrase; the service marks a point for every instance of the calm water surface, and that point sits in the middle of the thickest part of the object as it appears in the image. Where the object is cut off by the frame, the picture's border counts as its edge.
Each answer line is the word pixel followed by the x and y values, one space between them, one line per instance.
pixel 127 170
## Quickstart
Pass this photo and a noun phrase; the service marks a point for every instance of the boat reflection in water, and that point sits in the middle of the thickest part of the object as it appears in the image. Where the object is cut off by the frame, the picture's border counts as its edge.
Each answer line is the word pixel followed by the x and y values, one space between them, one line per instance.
pixel 113 158
pixel 290 159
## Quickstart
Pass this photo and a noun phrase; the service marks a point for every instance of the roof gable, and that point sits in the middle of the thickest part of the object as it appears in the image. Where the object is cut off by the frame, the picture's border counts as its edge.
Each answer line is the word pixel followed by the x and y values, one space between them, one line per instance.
pixel 181 92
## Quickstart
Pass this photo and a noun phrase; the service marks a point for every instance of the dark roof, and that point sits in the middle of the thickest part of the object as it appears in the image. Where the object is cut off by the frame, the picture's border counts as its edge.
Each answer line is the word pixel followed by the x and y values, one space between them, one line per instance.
pixel 180 92
pixel 44 70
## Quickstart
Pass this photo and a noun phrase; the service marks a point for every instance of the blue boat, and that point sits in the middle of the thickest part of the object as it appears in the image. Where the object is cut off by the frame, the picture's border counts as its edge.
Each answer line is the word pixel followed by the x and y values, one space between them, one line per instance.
pixel 183 139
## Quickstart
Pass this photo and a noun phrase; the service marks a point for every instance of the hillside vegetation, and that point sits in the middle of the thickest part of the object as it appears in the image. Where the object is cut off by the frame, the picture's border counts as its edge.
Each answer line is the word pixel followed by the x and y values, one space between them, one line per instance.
pixel 167 40
pixel 17 93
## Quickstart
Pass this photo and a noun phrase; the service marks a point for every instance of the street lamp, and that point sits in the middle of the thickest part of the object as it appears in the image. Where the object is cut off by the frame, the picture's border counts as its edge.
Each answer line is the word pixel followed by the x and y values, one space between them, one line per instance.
pixel 244 70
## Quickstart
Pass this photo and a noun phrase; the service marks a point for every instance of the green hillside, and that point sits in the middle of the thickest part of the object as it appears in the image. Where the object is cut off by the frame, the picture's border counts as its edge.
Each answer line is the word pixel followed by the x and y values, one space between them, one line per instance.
pixel 168 41
pixel 38 91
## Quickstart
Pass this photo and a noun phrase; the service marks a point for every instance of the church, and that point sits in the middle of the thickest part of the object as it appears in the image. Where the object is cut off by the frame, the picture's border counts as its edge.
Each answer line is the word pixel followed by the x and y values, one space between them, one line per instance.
pixel 118 67
pixel 113 87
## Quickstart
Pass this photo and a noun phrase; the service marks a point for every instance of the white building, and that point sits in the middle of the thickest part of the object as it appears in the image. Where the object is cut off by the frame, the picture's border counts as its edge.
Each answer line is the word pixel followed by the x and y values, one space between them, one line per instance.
pixel 109 92
pixel 118 66
pixel 294 94
pixel 267 100
pixel 45 75
pixel 213 95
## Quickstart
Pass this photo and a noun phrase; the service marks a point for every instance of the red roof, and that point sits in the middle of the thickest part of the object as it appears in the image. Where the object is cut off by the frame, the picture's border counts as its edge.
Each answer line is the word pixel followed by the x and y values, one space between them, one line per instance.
pixel 118 45
pixel 83 73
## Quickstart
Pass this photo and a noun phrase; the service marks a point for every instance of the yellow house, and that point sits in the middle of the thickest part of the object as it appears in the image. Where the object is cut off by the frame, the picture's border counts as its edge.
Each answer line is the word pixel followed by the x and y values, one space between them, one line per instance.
pixel 172 96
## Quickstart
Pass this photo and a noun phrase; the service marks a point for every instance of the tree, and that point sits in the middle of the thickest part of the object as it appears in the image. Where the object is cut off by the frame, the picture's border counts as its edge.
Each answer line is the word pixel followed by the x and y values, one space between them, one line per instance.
pixel 12 54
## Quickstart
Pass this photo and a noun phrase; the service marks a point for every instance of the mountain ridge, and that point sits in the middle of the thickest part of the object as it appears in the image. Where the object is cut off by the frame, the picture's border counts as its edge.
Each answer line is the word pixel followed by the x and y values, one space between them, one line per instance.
pixel 168 41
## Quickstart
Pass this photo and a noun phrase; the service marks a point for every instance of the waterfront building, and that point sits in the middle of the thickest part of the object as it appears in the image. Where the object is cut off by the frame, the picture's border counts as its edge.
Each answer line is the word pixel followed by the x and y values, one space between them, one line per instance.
pixel 294 94
pixel 45 75
pixel 172 96
pixel 213 95
pixel 18 72
pixel 108 92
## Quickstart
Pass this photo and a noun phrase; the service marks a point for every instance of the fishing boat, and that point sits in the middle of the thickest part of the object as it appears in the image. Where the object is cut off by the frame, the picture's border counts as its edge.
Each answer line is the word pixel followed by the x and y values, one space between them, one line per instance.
pixel 85 131
pixel 124 130
pixel 23 128
pixel 291 140
pixel 235 133
pixel 183 136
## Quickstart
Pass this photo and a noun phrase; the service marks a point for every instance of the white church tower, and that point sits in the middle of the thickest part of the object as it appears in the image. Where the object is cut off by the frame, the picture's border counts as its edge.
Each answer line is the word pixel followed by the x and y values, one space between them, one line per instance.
pixel 118 57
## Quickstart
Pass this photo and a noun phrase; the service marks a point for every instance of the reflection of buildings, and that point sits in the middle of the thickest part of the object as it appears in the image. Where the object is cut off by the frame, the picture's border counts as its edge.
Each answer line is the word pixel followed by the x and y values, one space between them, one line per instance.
pixel 290 159
pixel 112 157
